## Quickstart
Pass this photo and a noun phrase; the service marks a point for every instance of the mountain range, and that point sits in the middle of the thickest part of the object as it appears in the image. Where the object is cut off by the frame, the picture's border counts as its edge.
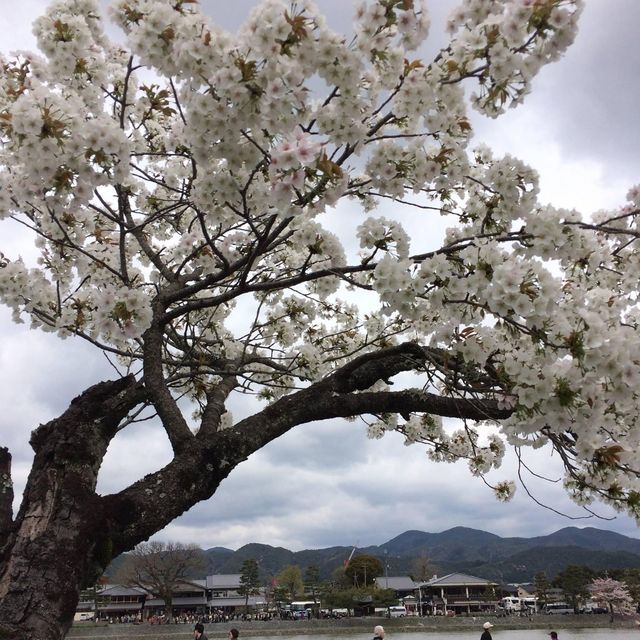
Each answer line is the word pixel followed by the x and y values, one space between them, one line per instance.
pixel 460 549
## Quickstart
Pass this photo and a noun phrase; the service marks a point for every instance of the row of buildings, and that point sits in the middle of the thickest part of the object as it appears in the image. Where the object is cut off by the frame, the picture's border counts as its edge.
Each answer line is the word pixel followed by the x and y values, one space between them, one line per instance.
pixel 218 595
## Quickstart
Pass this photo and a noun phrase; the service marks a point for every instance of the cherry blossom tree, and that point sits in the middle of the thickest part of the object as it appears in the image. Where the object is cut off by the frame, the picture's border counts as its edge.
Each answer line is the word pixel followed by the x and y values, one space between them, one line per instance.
pixel 614 595
pixel 178 190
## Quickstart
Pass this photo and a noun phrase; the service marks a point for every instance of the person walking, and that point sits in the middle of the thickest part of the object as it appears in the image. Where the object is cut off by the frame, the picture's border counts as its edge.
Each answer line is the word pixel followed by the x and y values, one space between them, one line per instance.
pixel 486 634
pixel 378 632
pixel 198 632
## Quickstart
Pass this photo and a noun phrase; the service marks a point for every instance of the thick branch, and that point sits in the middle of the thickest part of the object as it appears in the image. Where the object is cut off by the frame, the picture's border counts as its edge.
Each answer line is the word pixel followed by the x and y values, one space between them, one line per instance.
pixel 172 419
pixel 216 398
pixel 195 473
pixel 365 370
pixel 90 422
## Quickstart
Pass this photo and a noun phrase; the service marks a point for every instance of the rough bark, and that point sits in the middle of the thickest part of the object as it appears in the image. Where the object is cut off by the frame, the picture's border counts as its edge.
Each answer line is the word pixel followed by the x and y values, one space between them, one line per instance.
pixel 54 545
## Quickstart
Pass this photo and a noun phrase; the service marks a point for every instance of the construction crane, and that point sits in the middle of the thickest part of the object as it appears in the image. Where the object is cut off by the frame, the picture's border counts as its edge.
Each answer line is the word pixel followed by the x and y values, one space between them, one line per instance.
pixel 348 560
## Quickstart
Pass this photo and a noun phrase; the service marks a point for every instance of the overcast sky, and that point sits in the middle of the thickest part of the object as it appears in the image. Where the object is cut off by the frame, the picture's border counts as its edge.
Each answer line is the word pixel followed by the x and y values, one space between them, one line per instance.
pixel 326 484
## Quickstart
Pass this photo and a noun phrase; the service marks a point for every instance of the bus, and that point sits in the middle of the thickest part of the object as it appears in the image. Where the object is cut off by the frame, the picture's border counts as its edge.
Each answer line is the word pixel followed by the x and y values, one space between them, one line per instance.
pixel 304 609
pixel 557 608
pixel 394 611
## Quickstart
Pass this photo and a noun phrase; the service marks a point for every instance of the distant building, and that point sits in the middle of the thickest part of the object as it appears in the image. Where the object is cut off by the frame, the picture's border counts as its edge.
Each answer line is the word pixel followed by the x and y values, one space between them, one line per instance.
pixel 402 585
pixel 189 597
pixel 459 593
pixel 118 602
pixel 223 595
pixel 406 590
pixel 526 590
pixel 215 595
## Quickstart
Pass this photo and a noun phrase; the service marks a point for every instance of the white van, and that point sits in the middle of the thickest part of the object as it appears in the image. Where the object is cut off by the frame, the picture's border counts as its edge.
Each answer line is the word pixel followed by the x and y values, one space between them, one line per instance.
pixel 82 616
pixel 398 611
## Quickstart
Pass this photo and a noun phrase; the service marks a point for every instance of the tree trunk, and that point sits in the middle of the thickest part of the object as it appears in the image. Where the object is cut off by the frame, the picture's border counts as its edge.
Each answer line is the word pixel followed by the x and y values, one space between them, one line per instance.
pixel 168 608
pixel 59 540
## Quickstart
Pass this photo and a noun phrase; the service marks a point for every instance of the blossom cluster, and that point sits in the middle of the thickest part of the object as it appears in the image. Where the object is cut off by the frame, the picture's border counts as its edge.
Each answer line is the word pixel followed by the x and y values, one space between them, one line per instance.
pixel 186 181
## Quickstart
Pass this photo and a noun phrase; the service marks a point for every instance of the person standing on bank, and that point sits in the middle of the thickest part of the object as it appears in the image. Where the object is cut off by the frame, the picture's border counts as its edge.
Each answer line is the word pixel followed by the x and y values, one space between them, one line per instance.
pixel 198 632
pixel 486 634
pixel 378 633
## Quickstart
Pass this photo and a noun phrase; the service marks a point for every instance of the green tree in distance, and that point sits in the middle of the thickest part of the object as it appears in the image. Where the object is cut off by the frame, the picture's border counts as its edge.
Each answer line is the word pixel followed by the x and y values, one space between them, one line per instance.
pixel 339 578
pixel 541 586
pixel 363 570
pixel 574 580
pixel 249 581
pixel 312 581
pixel 290 579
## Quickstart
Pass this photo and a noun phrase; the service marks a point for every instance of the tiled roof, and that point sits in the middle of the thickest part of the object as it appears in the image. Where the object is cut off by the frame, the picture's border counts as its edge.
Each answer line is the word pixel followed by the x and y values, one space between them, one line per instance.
pixel 190 586
pixel 121 590
pixel 223 581
pixel 457 579
pixel 397 583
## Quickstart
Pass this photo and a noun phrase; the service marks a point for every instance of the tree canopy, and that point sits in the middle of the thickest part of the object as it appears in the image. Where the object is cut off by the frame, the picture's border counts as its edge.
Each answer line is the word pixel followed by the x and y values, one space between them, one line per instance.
pixel 182 224
pixel 574 580
pixel 290 580
pixel 363 569
pixel 160 567
pixel 249 581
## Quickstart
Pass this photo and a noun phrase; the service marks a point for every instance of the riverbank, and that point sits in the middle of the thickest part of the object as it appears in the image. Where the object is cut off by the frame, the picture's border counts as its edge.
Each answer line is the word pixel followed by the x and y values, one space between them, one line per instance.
pixel 346 626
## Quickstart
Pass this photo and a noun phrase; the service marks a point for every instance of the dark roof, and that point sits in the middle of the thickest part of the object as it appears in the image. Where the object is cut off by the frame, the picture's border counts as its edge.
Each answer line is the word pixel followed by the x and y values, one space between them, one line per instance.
pixel 190 586
pixel 223 581
pixel 398 583
pixel 121 590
